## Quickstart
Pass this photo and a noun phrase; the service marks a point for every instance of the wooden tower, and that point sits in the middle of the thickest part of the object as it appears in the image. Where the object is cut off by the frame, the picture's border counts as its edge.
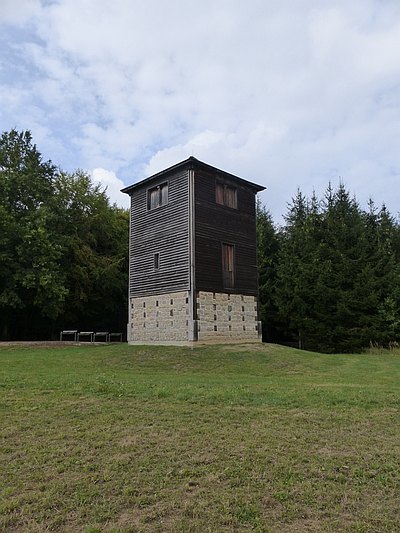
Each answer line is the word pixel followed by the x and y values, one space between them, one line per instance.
pixel 192 257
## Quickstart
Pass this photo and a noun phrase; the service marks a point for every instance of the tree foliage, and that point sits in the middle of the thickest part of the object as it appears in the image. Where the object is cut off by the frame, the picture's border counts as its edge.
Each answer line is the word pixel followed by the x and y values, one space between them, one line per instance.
pixel 95 252
pixel 329 278
pixel 336 285
pixel 267 255
pixel 63 247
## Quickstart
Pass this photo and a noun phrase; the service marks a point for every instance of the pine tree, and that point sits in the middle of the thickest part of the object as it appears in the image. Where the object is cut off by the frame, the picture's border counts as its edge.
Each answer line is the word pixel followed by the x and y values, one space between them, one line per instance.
pixel 267 255
pixel 296 271
pixel 343 255
pixel 338 277
pixel 384 327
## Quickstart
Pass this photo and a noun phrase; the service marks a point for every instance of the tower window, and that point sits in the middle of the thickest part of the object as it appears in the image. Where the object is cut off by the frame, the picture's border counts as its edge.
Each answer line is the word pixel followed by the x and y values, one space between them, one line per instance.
pixel 228 265
pixel 225 195
pixel 157 196
pixel 156 263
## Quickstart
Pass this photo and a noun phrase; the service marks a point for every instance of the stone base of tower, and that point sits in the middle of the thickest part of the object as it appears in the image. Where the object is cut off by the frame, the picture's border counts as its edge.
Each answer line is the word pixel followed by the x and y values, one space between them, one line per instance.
pixel 167 319
pixel 223 317
pixel 159 319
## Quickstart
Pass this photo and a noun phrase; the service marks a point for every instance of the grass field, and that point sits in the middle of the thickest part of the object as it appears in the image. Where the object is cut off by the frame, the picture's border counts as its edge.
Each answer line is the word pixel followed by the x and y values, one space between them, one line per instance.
pixel 165 439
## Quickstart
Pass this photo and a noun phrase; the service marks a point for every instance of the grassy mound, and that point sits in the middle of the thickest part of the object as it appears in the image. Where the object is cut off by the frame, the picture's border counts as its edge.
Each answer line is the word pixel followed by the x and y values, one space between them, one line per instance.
pixel 216 438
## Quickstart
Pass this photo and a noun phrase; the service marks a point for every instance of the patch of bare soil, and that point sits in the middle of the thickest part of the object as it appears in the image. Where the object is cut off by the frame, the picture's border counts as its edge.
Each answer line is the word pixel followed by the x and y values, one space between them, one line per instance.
pixel 50 344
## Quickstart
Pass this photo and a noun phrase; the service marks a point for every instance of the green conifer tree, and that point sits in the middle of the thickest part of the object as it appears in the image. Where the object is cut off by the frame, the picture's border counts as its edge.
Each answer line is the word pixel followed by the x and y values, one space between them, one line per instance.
pixel 267 255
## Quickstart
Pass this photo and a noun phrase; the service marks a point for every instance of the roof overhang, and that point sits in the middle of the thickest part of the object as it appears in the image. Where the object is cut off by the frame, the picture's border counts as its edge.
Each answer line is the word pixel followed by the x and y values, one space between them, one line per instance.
pixel 190 164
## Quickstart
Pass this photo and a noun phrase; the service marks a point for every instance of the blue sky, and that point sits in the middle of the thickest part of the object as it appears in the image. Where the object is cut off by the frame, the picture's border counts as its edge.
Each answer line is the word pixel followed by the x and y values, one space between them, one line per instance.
pixel 284 93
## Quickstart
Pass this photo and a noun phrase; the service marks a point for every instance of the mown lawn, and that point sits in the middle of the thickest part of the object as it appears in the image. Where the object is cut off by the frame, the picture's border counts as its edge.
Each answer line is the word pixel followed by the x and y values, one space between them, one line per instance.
pixel 165 439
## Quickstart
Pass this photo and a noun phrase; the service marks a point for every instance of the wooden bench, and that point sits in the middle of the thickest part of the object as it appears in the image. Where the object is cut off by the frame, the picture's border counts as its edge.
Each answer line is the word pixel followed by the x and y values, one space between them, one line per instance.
pixel 116 336
pixel 102 334
pixel 86 334
pixel 92 336
pixel 68 333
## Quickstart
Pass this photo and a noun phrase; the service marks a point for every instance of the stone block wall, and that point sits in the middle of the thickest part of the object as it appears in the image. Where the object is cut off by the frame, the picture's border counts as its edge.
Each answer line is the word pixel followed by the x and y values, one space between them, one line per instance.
pixel 166 318
pixel 230 317
pixel 159 318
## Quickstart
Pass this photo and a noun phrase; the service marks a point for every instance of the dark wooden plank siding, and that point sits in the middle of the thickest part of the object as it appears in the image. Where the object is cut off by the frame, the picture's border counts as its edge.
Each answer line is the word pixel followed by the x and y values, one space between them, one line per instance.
pixel 216 224
pixel 163 230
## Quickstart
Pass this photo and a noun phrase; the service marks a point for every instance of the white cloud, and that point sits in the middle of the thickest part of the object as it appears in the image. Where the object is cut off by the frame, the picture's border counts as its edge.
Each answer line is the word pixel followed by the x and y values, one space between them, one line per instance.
pixel 231 152
pixel 285 94
pixel 112 185
pixel 18 12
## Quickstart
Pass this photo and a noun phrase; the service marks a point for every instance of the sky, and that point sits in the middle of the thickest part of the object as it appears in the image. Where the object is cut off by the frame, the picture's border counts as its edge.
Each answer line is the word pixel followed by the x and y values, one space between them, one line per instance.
pixel 290 94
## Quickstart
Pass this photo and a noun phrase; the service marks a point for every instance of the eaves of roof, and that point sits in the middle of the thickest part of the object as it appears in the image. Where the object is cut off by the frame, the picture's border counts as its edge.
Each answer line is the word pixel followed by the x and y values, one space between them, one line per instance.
pixel 192 163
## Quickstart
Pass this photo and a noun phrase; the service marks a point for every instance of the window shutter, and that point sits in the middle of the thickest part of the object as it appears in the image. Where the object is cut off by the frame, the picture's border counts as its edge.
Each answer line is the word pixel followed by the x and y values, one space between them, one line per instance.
pixel 154 195
pixel 164 194
pixel 230 197
pixel 228 265
pixel 219 193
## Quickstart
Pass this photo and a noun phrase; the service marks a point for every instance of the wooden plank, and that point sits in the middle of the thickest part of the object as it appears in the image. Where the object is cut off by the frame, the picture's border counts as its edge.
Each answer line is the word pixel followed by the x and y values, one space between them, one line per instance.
pixel 217 224
pixel 163 230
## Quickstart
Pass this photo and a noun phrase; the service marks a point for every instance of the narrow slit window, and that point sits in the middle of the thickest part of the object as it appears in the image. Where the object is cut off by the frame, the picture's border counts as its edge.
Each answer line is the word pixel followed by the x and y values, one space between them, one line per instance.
pixel 156 263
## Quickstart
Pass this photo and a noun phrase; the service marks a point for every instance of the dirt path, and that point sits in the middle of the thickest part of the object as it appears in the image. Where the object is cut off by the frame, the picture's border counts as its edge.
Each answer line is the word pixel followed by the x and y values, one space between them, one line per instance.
pixel 51 344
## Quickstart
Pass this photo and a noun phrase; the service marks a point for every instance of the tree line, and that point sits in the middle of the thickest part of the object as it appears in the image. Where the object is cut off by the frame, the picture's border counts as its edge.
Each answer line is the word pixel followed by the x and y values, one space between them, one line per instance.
pixel 329 277
pixel 63 248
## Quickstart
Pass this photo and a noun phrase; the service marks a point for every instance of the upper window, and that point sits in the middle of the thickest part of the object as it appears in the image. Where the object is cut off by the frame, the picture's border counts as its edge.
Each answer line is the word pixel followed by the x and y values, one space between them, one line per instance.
pixel 225 195
pixel 157 196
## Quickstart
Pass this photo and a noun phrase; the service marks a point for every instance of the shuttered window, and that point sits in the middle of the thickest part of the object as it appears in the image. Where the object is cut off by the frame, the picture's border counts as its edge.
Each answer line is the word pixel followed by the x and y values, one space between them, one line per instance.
pixel 225 195
pixel 228 265
pixel 157 196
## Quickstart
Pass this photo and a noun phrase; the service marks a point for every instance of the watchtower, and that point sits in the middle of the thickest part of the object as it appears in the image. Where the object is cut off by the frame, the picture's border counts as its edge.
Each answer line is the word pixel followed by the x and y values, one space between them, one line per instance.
pixel 192 257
